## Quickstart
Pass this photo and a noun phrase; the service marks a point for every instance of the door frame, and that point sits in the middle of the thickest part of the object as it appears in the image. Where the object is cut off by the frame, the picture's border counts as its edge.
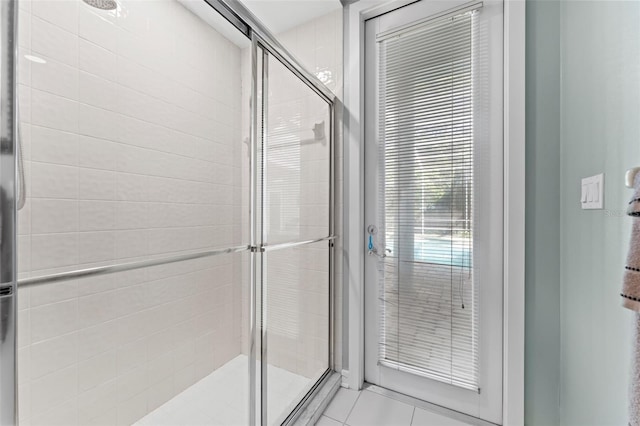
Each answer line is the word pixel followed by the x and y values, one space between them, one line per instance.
pixel 355 14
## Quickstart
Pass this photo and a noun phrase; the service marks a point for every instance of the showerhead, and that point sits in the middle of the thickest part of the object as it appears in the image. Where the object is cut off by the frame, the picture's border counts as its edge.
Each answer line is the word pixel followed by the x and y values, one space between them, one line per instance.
pixel 102 4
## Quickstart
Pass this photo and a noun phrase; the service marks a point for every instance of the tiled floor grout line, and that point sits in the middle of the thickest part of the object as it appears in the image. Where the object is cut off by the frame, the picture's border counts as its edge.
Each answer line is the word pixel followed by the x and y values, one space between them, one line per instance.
pixel 329 417
pixel 352 407
pixel 413 413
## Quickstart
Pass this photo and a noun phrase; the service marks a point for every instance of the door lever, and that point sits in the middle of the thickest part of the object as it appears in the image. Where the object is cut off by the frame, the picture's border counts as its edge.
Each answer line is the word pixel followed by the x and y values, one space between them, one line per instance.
pixel 374 252
pixel 372 249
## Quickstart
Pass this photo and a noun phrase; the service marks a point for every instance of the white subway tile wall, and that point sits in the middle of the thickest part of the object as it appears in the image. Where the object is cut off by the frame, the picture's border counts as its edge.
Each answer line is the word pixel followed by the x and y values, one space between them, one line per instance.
pixel 130 122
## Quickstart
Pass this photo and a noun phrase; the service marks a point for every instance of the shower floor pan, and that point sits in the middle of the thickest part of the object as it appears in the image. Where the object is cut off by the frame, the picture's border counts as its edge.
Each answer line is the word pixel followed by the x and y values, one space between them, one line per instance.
pixel 221 398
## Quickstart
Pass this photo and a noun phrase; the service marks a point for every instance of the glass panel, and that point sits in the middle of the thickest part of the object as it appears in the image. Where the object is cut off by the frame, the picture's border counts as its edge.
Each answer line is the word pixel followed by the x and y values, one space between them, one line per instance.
pixel 296 284
pixel 133 142
pixel 296 157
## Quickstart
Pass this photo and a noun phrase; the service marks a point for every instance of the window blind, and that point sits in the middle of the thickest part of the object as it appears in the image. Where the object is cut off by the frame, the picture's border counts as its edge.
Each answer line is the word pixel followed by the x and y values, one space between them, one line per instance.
pixel 428 316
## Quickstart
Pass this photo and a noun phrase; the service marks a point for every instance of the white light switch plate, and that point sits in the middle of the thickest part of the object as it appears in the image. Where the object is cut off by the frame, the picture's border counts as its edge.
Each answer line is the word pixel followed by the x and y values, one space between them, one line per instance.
pixel 592 193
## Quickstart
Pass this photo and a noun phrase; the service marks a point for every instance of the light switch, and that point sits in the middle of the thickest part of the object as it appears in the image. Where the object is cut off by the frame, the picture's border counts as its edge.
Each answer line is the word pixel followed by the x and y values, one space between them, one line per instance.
pixel 592 196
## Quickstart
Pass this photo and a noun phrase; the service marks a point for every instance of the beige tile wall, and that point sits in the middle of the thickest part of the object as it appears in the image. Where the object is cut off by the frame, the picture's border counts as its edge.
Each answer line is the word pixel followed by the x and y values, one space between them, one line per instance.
pixel 131 134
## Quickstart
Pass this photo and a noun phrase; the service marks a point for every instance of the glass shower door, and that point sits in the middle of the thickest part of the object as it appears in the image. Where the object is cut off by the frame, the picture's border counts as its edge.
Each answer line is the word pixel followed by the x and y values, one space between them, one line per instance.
pixel 295 233
pixel 172 267
pixel 133 247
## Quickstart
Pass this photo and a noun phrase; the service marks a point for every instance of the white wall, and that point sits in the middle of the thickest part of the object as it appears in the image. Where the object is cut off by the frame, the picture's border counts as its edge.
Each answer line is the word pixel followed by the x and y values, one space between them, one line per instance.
pixel 582 109
pixel 131 133
pixel 542 345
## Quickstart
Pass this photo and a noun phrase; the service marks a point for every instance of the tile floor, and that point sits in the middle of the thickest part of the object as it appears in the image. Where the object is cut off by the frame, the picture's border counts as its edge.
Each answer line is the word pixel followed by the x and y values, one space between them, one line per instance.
pixel 368 408
pixel 221 398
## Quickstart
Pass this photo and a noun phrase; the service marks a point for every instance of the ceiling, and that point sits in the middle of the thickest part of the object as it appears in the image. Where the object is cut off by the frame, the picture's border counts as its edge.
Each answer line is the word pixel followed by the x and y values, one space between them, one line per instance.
pixel 276 15
pixel 205 12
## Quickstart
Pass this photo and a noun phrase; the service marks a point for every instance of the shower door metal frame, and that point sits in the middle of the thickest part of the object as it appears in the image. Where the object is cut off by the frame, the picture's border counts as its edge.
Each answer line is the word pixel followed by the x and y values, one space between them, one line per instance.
pixel 8 287
pixel 259 246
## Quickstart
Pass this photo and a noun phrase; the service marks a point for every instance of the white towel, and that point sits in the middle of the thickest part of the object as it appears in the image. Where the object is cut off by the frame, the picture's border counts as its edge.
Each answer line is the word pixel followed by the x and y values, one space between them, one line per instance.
pixel 631 299
pixel 634 388
pixel 631 285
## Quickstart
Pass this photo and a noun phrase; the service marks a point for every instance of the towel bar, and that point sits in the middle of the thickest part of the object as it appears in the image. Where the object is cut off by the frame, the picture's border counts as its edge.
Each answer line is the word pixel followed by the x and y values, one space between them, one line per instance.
pixel 630 176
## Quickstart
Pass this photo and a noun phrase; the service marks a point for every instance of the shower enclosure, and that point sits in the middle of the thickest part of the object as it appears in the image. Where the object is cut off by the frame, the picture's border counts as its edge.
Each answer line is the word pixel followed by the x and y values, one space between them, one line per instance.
pixel 173 261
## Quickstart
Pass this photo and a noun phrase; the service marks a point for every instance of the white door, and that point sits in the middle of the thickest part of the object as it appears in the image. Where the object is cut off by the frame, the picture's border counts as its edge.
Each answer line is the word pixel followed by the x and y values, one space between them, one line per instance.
pixel 434 204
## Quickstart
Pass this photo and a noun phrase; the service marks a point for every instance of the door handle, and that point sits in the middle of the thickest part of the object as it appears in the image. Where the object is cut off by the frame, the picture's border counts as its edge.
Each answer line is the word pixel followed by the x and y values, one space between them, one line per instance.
pixel 372 250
